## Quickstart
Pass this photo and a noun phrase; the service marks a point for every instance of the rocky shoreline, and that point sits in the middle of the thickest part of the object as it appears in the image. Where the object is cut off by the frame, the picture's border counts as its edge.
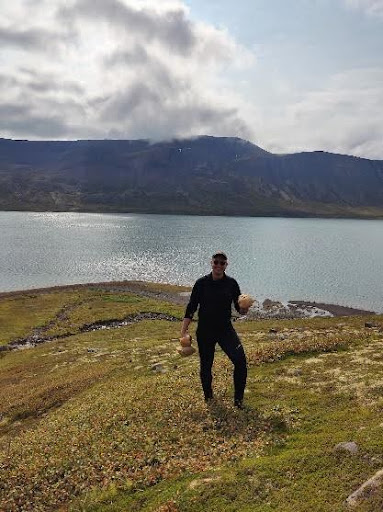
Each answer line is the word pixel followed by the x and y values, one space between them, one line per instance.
pixel 180 295
pixel 334 309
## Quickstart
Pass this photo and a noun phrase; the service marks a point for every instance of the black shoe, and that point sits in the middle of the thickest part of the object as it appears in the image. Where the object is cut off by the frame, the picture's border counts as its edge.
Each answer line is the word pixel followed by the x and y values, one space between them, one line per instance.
pixel 238 403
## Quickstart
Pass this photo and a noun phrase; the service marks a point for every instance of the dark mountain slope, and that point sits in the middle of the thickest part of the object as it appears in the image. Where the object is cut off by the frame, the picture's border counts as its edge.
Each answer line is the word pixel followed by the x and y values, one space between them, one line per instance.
pixel 204 175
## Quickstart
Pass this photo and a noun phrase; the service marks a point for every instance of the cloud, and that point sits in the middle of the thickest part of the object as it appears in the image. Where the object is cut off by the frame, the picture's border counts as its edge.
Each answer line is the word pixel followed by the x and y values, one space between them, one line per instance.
pixel 23 122
pixel 371 7
pixel 32 39
pixel 170 28
pixel 121 68
pixel 343 117
pixel 151 114
pixel 45 83
pixel 146 69
pixel 38 105
pixel 137 55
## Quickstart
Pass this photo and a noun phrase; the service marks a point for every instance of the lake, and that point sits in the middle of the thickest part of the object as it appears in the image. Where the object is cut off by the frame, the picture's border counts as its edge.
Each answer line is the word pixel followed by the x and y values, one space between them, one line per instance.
pixel 325 260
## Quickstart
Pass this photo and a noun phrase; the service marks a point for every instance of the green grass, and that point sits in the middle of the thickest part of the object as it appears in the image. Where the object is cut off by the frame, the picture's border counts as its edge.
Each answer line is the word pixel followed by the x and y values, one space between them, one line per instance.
pixel 62 311
pixel 87 425
pixel 22 313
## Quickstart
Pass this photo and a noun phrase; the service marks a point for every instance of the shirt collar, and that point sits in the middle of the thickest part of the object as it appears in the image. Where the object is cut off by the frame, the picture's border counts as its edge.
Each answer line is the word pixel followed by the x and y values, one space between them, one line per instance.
pixel 210 276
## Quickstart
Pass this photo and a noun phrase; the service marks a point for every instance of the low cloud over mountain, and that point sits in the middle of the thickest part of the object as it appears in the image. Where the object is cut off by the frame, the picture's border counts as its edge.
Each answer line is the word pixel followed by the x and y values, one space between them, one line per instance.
pixel 288 78
pixel 105 68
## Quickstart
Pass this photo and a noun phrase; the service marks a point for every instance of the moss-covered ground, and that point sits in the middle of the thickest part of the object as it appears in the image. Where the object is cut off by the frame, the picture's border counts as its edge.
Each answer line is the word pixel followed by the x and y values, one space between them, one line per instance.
pixel 114 420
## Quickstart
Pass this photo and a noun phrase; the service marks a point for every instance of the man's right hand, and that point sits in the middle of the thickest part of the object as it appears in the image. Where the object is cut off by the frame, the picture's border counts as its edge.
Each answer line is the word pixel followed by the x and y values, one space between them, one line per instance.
pixel 185 327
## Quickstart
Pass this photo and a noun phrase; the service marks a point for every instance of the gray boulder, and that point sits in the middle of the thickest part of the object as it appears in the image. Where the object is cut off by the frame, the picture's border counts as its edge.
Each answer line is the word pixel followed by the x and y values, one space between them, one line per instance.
pixel 349 446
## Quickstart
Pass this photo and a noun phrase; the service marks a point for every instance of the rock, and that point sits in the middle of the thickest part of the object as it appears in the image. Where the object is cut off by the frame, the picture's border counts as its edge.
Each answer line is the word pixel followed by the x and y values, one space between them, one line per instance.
pixel 92 350
pixel 349 446
pixel 158 368
pixel 203 481
pixel 370 325
pixel 3 348
pixel 365 489
pixel 271 304
pixel 273 331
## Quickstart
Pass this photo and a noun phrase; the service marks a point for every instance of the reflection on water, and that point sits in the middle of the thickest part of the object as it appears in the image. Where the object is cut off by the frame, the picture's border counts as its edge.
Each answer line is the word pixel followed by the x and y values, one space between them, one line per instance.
pixel 326 260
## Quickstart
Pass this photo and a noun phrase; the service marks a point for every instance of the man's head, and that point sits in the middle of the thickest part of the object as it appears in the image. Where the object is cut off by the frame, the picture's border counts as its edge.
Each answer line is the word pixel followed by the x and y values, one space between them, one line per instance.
pixel 218 264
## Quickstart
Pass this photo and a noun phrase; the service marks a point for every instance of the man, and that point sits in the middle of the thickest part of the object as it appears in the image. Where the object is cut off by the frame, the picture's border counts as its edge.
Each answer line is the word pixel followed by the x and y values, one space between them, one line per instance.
pixel 214 294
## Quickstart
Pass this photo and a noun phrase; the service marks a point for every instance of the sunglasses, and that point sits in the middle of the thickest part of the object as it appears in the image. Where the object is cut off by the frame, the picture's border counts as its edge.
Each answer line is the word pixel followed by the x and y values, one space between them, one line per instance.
pixel 219 262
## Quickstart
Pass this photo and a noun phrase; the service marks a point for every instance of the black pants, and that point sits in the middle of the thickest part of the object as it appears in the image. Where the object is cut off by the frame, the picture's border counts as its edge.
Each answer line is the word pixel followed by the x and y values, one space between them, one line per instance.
pixel 228 340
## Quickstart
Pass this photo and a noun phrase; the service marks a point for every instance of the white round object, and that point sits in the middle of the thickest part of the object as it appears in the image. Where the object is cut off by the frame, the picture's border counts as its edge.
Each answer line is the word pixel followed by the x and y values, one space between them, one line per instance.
pixel 245 301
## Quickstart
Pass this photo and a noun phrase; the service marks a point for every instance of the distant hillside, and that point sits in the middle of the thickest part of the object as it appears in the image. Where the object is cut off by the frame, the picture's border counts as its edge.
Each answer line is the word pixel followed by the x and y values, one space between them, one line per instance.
pixel 204 175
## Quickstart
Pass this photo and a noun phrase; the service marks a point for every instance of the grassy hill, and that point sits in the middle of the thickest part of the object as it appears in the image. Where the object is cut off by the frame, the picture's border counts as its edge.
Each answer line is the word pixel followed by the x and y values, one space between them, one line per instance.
pixel 112 419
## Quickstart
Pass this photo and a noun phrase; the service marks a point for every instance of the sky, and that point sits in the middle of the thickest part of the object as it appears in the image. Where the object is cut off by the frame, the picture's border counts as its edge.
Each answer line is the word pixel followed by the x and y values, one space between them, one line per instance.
pixel 287 75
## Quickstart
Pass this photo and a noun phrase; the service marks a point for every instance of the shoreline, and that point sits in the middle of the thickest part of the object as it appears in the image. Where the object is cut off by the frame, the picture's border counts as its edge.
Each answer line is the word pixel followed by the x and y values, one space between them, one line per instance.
pixel 334 309
pixel 177 294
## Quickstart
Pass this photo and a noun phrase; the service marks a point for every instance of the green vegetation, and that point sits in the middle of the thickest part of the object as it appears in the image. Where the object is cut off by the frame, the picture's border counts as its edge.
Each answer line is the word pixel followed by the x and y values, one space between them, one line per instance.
pixel 113 420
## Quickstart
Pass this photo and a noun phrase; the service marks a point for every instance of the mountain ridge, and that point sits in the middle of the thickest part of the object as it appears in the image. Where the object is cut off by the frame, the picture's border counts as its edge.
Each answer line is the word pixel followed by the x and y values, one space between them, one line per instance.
pixel 201 175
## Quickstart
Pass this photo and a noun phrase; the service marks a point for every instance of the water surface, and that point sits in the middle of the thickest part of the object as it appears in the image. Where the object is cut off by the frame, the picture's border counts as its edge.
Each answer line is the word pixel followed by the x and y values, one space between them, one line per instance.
pixel 325 260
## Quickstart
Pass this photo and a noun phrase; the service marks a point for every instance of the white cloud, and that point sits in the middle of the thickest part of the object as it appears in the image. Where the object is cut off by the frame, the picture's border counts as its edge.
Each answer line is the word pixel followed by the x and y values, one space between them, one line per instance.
pixel 371 7
pixel 144 69
pixel 101 68
pixel 343 117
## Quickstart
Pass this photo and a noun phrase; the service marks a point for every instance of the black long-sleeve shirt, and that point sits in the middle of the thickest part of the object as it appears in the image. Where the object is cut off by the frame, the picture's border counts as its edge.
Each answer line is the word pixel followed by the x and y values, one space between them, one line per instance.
pixel 214 297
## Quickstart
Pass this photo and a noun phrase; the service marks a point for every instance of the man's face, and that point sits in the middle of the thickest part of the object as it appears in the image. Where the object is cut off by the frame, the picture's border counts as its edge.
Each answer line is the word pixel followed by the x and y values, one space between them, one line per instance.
pixel 218 266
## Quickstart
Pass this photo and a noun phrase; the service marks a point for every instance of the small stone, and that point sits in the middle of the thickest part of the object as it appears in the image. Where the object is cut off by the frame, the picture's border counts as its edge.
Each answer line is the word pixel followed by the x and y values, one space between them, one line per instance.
pixel 369 325
pixel 203 481
pixel 350 447
pixel 92 350
pixel 273 331
pixel 368 488
pixel 158 368
pixel 271 304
